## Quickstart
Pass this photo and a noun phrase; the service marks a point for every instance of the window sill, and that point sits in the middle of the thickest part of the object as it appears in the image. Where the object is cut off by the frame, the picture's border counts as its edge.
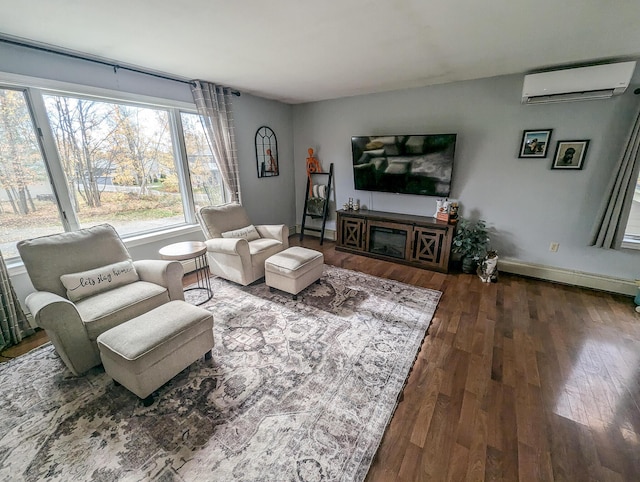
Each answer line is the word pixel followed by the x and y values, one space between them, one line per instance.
pixel 141 239
pixel 631 243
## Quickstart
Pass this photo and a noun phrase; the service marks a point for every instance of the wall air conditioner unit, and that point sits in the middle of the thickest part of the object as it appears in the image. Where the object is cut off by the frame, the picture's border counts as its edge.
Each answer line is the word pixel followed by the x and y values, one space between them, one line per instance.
pixel 581 83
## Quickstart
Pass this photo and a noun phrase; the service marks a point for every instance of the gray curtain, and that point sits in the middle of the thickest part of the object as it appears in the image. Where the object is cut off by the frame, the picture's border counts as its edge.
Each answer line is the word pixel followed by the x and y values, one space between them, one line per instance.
pixel 612 217
pixel 214 106
pixel 14 325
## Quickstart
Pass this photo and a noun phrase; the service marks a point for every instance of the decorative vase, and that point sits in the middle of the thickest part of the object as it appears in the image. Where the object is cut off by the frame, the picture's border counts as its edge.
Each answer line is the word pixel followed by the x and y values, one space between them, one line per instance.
pixel 469 264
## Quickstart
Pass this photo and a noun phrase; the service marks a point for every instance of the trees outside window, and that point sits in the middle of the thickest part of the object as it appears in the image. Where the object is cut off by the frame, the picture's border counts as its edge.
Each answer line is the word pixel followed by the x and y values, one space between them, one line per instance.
pixel 119 162
pixel 122 163
pixel 206 181
pixel 27 202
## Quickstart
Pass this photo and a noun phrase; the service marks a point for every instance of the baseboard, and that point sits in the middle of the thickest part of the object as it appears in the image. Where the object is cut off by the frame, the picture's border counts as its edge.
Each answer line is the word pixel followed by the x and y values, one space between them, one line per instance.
pixel 329 234
pixel 547 273
pixel 565 276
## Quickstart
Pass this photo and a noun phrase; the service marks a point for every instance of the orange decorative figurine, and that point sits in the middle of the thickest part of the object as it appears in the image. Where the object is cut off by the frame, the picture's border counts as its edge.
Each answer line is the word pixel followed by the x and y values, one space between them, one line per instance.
pixel 313 165
pixel 272 163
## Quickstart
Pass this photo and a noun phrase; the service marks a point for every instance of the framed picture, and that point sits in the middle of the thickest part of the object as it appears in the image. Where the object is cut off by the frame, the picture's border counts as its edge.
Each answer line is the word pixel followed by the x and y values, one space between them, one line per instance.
pixel 535 143
pixel 570 154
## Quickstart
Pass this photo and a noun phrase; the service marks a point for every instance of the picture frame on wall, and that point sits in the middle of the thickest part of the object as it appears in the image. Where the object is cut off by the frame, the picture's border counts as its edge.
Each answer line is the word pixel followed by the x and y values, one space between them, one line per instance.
pixel 570 154
pixel 535 143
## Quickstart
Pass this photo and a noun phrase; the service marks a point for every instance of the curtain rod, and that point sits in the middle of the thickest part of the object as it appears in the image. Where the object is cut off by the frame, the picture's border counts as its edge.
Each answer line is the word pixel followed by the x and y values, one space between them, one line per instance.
pixel 115 67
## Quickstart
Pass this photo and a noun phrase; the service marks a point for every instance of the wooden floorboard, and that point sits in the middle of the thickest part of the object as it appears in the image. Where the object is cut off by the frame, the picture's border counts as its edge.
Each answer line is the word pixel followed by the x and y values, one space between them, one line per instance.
pixel 519 380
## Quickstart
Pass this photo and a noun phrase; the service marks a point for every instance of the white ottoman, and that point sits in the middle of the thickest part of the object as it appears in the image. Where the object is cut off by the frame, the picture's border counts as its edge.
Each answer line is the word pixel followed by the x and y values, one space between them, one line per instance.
pixel 146 352
pixel 293 269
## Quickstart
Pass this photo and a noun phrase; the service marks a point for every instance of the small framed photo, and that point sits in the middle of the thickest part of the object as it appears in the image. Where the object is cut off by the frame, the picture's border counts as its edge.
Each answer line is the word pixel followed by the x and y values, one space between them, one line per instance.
pixel 535 143
pixel 570 154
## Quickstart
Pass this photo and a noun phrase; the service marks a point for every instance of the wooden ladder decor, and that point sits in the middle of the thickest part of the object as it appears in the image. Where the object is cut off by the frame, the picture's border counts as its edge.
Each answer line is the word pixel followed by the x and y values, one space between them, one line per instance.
pixel 316 204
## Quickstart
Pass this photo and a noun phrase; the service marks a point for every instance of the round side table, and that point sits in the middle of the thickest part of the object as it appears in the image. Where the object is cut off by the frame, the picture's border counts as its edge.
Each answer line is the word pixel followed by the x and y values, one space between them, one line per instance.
pixel 197 251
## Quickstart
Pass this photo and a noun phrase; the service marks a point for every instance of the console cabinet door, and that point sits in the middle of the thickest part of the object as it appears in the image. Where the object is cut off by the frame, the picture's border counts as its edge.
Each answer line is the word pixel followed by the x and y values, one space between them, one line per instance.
pixel 431 247
pixel 352 233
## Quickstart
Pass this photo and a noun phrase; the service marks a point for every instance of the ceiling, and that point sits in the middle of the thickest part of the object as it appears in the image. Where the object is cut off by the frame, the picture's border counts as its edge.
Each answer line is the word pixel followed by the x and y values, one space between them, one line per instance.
pixel 302 50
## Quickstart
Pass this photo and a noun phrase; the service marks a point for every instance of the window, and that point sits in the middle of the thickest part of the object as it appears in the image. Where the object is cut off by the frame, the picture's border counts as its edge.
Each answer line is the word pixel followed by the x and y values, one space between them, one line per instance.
pixel 119 163
pixel 632 232
pixel 206 181
pixel 27 203
pixel 139 167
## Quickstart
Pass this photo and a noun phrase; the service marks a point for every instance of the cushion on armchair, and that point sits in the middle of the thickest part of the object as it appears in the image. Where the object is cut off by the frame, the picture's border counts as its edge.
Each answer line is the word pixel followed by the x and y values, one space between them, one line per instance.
pixel 249 233
pixel 110 308
pixel 94 281
pixel 216 220
pixel 85 249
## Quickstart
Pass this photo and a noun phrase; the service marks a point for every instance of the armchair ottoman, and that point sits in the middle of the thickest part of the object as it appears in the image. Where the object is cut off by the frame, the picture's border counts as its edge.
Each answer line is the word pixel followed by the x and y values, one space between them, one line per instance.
pixel 146 352
pixel 293 269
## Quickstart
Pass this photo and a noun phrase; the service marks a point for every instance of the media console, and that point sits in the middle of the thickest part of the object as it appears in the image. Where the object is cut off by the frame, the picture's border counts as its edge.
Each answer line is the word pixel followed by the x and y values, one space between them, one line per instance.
pixel 419 241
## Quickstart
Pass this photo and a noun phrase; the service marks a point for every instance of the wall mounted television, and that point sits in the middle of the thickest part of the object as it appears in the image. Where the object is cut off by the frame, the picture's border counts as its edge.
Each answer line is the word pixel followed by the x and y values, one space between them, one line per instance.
pixel 407 164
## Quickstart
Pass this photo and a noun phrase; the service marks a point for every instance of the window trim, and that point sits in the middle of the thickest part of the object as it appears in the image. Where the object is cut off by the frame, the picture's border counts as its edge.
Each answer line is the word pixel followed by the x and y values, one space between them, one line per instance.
pixel 630 242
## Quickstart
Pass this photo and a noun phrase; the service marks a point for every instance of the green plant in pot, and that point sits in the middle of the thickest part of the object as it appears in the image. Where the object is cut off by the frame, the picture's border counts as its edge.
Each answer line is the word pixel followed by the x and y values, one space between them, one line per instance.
pixel 471 242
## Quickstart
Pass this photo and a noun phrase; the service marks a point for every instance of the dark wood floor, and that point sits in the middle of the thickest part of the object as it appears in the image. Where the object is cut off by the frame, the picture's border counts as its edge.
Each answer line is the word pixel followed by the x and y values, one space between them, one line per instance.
pixel 519 380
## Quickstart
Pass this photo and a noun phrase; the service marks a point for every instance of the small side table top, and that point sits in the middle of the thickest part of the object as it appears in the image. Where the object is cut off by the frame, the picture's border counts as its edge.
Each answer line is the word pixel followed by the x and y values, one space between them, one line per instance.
pixel 183 251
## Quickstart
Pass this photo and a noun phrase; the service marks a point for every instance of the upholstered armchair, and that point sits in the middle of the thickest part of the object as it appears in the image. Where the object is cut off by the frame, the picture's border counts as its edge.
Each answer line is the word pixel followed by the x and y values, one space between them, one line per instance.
pixel 86 283
pixel 236 249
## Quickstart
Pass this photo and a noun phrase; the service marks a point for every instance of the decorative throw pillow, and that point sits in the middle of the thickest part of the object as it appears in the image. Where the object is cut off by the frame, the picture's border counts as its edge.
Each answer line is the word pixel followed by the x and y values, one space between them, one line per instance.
pixel 94 281
pixel 319 190
pixel 315 206
pixel 249 233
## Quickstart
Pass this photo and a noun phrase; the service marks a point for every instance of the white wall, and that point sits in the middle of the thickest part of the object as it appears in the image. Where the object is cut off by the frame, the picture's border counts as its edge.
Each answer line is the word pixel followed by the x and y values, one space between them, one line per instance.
pixel 527 204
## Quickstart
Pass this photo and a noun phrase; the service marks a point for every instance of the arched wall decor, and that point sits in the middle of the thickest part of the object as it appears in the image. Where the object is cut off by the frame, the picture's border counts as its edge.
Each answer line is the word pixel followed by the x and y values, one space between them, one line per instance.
pixel 267 152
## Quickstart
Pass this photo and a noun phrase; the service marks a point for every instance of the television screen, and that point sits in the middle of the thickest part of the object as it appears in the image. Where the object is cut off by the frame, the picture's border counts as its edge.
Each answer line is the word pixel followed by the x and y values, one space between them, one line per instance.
pixel 409 164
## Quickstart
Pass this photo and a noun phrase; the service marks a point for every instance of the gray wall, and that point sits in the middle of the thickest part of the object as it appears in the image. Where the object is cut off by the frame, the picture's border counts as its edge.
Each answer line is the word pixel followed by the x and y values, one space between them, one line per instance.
pixel 269 200
pixel 526 204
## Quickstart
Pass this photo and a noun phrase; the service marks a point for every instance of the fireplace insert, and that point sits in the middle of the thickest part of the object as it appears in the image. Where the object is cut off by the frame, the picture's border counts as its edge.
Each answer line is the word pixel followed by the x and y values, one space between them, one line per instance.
pixel 388 241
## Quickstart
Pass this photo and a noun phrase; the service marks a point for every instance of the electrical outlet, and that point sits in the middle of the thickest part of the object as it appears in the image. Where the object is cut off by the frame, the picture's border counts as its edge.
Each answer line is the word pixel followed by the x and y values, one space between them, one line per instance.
pixel 553 247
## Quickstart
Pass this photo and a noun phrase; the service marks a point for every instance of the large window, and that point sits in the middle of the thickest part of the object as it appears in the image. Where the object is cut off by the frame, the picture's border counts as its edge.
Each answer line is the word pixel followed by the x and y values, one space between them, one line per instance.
pixel 632 233
pixel 27 203
pixel 70 161
pixel 206 181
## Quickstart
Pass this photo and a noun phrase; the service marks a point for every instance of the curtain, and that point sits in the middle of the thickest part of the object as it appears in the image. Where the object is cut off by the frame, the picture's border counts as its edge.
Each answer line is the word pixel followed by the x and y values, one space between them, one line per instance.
pixel 14 325
pixel 612 217
pixel 214 106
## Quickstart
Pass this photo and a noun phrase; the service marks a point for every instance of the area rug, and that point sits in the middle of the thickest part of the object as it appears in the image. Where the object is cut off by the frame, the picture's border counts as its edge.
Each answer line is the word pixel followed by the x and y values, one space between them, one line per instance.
pixel 296 391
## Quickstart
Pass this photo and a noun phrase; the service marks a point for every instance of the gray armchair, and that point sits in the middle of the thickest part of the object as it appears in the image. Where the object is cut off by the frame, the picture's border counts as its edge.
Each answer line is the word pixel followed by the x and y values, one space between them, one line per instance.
pixel 86 283
pixel 236 249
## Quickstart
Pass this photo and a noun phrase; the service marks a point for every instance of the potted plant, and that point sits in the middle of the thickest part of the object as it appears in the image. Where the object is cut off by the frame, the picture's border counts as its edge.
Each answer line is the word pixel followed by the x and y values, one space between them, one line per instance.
pixel 470 242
